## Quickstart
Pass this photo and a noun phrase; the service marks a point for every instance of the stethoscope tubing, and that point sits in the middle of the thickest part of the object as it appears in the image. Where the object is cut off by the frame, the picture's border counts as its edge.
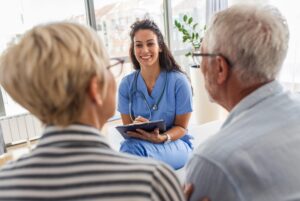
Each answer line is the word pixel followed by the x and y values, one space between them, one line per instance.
pixel 135 91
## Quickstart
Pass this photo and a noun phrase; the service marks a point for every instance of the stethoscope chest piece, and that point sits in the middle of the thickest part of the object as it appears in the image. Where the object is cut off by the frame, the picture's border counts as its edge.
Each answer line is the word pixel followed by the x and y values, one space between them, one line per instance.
pixel 154 107
pixel 135 91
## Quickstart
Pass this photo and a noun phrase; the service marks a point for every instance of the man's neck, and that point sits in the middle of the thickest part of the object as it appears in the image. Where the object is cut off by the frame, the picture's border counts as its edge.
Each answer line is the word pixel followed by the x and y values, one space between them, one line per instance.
pixel 236 93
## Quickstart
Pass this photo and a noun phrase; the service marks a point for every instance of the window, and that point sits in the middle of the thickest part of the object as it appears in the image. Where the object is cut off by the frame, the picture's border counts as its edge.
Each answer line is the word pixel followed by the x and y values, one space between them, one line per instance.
pixel 194 9
pixel 116 16
pixel 290 73
pixel 17 16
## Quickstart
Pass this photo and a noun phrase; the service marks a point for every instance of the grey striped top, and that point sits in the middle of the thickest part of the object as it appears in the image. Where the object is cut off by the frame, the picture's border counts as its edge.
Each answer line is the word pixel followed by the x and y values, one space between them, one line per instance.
pixel 76 163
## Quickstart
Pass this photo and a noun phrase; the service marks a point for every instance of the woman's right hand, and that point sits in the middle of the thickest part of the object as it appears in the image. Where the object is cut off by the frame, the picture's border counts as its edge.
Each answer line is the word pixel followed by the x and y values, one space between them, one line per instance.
pixel 140 119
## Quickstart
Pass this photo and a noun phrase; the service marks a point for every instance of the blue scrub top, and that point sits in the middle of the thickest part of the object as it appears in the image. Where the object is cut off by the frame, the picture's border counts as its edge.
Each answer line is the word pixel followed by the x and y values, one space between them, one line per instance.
pixel 176 98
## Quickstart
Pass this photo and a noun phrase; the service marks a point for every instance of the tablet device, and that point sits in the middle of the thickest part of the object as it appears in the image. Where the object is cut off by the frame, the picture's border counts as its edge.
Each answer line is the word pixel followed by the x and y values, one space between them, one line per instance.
pixel 147 126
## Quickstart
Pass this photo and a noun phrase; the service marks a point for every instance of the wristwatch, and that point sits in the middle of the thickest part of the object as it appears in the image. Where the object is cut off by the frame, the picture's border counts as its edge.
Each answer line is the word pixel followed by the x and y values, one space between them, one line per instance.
pixel 168 140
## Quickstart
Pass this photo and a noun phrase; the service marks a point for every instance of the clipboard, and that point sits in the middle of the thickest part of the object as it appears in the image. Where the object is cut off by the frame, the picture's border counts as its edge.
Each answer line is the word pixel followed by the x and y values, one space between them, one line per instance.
pixel 147 126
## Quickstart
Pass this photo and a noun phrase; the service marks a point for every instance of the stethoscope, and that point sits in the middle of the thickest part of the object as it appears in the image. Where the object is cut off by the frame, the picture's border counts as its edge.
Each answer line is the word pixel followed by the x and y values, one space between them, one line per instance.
pixel 135 91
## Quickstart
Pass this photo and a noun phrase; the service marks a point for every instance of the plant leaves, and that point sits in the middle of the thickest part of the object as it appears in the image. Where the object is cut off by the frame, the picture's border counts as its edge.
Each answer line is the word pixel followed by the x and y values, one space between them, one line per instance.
pixel 194 26
pixel 185 18
pixel 184 31
pixel 188 54
pixel 190 35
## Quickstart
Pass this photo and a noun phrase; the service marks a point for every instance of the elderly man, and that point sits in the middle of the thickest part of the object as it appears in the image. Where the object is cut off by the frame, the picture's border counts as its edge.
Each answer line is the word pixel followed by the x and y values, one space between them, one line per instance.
pixel 256 153
pixel 60 73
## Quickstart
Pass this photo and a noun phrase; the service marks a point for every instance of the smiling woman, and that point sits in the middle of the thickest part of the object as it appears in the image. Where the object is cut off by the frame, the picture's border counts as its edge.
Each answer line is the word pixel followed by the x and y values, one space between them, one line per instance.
pixel 158 89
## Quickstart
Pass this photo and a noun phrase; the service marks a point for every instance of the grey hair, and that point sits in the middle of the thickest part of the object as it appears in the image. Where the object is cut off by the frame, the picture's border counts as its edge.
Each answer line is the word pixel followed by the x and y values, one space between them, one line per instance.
pixel 254 38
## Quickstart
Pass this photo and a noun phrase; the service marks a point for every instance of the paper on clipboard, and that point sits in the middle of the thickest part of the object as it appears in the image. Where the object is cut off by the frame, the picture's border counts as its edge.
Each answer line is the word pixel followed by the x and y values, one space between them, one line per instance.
pixel 147 126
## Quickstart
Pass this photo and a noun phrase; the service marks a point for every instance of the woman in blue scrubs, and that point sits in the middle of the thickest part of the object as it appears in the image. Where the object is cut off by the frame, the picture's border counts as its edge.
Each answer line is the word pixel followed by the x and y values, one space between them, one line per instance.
pixel 158 89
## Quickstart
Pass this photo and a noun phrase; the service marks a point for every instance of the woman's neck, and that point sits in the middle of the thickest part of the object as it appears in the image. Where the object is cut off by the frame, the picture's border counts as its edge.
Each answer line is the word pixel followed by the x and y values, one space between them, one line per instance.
pixel 150 76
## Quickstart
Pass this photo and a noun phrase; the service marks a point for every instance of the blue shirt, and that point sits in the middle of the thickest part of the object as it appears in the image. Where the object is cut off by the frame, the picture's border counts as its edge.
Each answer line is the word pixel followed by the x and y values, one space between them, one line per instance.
pixel 173 87
pixel 256 153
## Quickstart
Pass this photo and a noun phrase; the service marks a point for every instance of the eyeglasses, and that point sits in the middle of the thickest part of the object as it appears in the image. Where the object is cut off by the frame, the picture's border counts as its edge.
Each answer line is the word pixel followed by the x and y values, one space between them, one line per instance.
pixel 116 66
pixel 197 57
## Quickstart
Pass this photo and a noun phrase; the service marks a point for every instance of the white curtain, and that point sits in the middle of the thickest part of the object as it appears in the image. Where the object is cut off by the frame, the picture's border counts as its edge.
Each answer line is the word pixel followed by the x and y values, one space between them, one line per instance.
pixel 213 6
pixel 290 73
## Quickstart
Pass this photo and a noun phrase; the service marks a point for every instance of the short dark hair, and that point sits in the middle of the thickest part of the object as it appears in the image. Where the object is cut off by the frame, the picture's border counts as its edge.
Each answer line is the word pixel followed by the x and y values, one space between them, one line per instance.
pixel 166 60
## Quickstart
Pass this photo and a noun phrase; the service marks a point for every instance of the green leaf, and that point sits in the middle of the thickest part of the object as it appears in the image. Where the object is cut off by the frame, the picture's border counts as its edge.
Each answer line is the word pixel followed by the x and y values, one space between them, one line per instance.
pixel 188 54
pixel 196 45
pixel 197 36
pixel 193 36
pixel 185 18
pixel 190 20
pixel 194 26
pixel 176 23
pixel 185 32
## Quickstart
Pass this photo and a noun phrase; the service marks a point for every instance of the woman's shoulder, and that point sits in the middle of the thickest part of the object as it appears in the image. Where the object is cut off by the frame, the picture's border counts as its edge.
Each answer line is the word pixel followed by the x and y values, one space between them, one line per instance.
pixel 127 79
pixel 178 76
pixel 130 75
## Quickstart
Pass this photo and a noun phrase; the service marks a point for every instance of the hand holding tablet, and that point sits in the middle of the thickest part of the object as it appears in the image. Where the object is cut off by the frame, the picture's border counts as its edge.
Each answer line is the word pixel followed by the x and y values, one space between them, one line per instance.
pixel 147 126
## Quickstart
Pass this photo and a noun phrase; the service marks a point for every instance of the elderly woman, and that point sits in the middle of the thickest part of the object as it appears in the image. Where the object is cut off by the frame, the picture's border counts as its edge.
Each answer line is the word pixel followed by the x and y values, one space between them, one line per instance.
pixel 59 72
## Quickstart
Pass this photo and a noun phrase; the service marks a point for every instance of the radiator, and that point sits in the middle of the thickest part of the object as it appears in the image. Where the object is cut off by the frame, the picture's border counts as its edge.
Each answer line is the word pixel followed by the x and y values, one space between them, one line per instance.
pixel 19 128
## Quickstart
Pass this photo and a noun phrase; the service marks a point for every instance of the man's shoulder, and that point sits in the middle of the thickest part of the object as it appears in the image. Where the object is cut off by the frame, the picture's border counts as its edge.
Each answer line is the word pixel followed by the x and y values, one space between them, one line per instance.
pixel 217 148
pixel 221 147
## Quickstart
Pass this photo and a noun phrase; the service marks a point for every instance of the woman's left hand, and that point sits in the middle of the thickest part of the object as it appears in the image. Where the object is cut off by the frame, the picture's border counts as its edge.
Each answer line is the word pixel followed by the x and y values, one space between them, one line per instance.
pixel 153 136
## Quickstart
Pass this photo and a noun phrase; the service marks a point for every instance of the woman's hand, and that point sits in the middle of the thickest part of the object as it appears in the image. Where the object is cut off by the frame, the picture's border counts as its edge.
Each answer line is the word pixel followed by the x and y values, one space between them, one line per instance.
pixel 153 136
pixel 140 119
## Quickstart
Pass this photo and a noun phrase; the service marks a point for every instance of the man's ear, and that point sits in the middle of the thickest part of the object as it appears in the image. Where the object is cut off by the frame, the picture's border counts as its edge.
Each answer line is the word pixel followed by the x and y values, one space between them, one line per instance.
pixel 94 91
pixel 223 70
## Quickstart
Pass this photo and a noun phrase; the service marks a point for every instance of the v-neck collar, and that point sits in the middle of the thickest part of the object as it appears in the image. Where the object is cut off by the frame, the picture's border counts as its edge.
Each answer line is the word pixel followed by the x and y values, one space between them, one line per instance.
pixel 158 87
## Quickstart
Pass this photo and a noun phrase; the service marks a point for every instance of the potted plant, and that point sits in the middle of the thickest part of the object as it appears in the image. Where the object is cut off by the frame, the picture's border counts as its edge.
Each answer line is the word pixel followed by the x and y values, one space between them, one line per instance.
pixel 191 33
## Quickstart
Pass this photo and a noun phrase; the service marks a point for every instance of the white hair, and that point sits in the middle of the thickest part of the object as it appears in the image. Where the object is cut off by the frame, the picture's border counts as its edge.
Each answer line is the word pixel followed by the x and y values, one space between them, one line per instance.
pixel 254 38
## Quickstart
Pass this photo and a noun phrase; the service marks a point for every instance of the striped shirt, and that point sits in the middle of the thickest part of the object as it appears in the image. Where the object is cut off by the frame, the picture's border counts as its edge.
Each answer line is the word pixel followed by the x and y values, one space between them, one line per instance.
pixel 76 163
